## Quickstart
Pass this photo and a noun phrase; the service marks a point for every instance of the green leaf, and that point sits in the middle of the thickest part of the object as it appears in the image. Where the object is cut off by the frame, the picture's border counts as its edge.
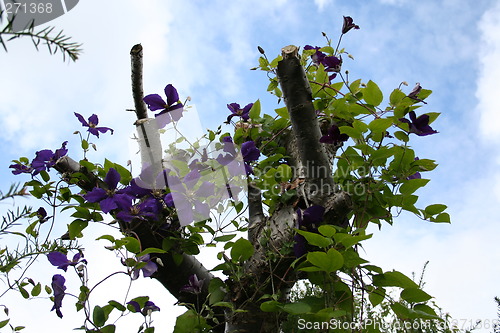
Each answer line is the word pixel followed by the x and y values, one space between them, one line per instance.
pixel 402 136
pixel 372 94
pixel 315 239
pixel 327 230
pixel 3 323
pixel 189 322
pixel 377 296
pixel 400 310
pixel 297 308
pixel 283 112
pixel 283 173
pixel 410 186
pixel 36 290
pixel 380 125
pixel 217 291
pixel 270 306
pixel 396 96
pixel 329 262
pixel 132 244
pixel 393 279
pixel 24 292
pixel 76 227
pixel 98 316
pixel 45 175
pixel 255 110
pixel 415 295
pixel 125 175
pixel 441 218
pixel 224 238
pixel 241 250
pixel 435 209
pixel 352 132
pixel 117 305
pixel 110 329
pixel 150 250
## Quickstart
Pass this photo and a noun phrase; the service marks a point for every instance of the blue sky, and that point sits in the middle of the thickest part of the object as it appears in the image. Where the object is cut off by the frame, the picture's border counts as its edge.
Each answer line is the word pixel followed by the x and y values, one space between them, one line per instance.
pixel 206 49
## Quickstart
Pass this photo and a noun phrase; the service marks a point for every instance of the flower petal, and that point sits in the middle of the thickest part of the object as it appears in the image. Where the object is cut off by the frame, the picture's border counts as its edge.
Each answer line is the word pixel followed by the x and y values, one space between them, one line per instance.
pixel 112 178
pixel 155 102
pixel 172 95
pixel 82 120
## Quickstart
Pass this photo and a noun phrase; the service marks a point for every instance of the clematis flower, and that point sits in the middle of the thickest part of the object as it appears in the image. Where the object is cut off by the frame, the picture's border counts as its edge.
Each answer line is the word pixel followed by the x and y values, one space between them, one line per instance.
pixel 194 285
pixel 332 64
pixel 348 25
pixel 20 168
pixel 237 111
pixel 308 220
pixel 250 153
pixel 58 287
pixel 149 269
pixel 146 210
pixel 92 123
pixel 333 136
pixel 148 308
pixel 108 199
pixel 62 262
pixel 419 126
pixel 41 213
pixel 45 159
pixel 171 109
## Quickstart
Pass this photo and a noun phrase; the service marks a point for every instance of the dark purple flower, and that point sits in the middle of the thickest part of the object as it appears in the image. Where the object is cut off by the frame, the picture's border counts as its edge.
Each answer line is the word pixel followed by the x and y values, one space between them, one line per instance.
pixel 171 109
pixel 108 199
pixel 149 269
pixel 146 310
pixel 194 285
pixel 58 288
pixel 348 25
pixel 237 111
pixel 45 159
pixel 308 220
pixel 62 262
pixel 419 126
pixel 250 153
pixel 146 210
pixel 20 168
pixel 414 93
pixel 92 124
pixel 332 64
pixel 333 136
pixel 41 213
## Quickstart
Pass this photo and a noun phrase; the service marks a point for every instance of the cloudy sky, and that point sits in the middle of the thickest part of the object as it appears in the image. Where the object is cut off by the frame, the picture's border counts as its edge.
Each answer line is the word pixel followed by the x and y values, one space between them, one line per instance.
pixel 205 49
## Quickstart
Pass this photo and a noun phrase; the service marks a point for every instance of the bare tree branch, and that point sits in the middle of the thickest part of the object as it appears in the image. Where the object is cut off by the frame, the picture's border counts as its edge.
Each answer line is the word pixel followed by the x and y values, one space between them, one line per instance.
pixel 137 90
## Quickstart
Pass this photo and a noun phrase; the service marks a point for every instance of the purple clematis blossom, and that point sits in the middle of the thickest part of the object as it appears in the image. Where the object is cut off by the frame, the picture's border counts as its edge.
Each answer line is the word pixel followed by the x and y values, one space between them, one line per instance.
pixel 92 123
pixel 171 109
pixel 62 262
pixel 108 199
pixel 332 64
pixel 348 25
pixel 237 111
pixel 333 136
pixel 194 285
pixel 419 126
pixel 308 220
pixel 148 308
pixel 146 210
pixel 58 287
pixel 20 168
pixel 250 153
pixel 45 159
pixel 148 270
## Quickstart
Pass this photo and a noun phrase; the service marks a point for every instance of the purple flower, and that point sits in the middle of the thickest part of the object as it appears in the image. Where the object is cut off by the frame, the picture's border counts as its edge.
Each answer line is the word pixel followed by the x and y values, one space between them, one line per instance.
pixel 419 126
pixel 147 270
pixel 309 220
pixel 348 25
pixel 20 168
pixel 146 210
pixel 194 285
pixel 146 310
pixel 92 124
pixel 250 153
pixel 171 109
pixel 58 287
pixel 108 199
pixel 332 64
pixel 41 213
pixel 333 136
pixel 62 262
pixel 414 93
pixel 45 159
pixel 237 111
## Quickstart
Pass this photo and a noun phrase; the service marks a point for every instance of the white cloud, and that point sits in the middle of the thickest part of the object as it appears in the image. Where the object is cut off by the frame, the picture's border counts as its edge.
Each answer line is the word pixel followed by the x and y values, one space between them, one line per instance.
pixel 322 3
pixel 489 78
